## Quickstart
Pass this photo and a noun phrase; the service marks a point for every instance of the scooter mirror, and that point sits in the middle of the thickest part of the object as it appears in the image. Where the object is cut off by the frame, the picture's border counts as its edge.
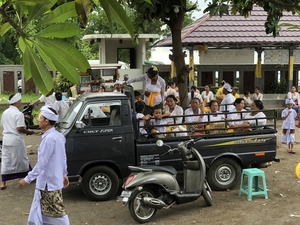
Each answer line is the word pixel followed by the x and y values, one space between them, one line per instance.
pixel 159 143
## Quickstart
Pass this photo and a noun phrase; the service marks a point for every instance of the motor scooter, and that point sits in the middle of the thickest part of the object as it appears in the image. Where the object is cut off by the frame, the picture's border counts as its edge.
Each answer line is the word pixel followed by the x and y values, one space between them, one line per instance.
pixel 27 112
pixel 151 187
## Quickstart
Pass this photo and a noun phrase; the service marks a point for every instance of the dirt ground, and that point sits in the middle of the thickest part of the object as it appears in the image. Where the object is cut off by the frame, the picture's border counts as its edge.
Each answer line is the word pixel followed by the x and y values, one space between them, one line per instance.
pixel 282 207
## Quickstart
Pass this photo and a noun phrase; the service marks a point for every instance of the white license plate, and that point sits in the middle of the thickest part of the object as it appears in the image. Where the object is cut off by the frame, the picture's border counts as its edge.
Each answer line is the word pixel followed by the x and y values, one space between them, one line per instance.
pixel 126 194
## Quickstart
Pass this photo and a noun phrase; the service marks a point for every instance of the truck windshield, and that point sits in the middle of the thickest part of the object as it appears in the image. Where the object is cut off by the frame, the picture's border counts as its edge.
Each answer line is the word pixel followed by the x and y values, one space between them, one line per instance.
pixel 71 114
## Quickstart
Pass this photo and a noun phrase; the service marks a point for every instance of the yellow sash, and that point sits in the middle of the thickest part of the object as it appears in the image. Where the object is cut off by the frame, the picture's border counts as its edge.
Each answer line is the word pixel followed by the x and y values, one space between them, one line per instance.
pixel 151 98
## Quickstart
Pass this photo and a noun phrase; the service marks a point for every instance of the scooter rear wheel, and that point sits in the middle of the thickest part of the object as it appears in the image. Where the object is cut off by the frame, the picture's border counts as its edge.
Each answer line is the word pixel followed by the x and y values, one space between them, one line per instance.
pixel 206 193
pixel 138 211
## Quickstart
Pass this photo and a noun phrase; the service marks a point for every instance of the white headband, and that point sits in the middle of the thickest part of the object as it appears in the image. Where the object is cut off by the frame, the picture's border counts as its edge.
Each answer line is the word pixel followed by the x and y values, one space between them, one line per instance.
pixel 15 98
pixel 47 113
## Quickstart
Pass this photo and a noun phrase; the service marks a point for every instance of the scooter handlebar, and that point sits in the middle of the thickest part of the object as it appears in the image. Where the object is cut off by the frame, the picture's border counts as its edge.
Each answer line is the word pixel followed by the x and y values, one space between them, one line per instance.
pixel 170 151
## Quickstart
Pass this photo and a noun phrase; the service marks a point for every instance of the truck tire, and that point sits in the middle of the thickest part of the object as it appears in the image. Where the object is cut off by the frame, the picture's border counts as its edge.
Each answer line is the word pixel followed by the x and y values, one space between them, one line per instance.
pixel 100 183
pixel 224 174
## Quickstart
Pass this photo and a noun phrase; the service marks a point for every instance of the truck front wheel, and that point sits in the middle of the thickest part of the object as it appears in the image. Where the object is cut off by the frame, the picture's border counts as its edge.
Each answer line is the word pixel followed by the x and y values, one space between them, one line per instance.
pixel 100 183
pixel 224 174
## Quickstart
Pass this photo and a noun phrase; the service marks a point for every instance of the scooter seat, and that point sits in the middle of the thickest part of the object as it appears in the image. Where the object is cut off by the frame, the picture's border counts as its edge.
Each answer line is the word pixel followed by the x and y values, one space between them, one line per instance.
pixel 168 169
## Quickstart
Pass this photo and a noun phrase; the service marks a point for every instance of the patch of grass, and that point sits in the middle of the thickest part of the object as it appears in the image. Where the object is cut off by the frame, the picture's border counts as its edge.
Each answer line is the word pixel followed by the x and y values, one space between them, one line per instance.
pixel 29 97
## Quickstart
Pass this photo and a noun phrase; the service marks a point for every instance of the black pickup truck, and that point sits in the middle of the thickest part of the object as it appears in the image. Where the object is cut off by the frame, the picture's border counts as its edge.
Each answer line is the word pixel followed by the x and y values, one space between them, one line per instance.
pixel 103 139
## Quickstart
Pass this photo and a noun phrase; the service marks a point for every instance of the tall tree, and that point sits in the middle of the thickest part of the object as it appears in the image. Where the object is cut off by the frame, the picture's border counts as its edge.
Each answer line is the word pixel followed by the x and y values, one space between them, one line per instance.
pixel 172 13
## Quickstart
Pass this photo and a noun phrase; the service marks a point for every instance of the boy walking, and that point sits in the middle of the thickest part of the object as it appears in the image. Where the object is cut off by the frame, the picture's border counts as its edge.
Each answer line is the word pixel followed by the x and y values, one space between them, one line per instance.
pixel 288 116
pixel 50 173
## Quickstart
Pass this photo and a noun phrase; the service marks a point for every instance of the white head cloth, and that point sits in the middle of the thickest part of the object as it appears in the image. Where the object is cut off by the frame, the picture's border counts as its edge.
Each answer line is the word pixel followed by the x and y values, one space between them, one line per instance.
pixel 289 101
pixel 15 98
pixel 47 113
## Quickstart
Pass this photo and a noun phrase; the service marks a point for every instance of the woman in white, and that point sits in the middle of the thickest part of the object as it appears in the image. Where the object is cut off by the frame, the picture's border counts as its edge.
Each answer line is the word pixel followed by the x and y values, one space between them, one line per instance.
pixel 253 117
pixel 257 95
pixel 154 88
pixel 172 109
pixel 207 95
pixel 236 115
pixel 214 114
pixel 193 115
pixel 172 90
pixel 194 94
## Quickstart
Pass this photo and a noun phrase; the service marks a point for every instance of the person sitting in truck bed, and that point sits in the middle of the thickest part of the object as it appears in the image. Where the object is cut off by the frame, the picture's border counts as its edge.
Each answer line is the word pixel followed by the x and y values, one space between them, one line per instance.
pixel 158 120
pixel 253 117
pixel 143 119
pixel 215 119
pixel 172 109
pixel 195 118
pixel 237 114
pixel 227 102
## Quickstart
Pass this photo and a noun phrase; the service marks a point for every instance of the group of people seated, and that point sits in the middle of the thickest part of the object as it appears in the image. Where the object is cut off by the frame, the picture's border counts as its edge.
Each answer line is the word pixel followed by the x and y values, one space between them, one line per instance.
pixel 174 121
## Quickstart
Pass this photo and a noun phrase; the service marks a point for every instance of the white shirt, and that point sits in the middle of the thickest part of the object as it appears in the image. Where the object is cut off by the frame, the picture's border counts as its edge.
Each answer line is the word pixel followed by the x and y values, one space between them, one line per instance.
pixel 178 111
pixel 49 101
pixel 171 91
pixel 228 100
pixel 214 117
pixel 61 108
pixel 295 97
pixel 196 95
pixel 158 87
pixel 155 122
pixel 257 97
pixel 289 122
pixel 11 119
pixel 193 118
pixel 14 155
pixel 51 167
pixel 252 119
pixel 139 117
pixel 236 116
pixel 248 100
pixel 207 97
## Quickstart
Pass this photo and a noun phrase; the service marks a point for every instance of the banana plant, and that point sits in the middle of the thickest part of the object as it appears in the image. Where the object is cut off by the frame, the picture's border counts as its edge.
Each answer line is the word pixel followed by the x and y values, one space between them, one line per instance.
pixel 40 27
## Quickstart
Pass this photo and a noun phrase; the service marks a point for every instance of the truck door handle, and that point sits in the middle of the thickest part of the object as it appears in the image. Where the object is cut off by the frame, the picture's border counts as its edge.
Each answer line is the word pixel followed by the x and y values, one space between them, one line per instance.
pixel 117 138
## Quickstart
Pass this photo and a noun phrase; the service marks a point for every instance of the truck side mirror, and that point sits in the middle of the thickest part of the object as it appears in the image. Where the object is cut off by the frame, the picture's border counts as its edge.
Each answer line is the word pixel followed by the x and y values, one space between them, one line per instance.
pixel 79 125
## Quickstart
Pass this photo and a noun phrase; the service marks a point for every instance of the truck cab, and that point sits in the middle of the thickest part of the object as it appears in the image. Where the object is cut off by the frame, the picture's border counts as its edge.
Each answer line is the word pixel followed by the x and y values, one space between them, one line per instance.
pixel 99 136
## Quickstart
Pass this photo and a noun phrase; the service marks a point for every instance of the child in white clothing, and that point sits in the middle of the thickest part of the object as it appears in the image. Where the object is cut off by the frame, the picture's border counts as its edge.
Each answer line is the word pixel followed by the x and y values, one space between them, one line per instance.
pixel 158 120
pixel 139 107
pixel 288 116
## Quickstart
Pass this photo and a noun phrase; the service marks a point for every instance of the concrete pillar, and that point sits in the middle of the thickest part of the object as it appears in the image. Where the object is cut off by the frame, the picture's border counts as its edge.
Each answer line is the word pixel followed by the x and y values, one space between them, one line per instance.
pixel 258 66
pixel 291 66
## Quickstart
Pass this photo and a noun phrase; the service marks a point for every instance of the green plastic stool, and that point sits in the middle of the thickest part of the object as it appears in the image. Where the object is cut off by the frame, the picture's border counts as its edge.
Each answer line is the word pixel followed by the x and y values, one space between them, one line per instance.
pixel 253 173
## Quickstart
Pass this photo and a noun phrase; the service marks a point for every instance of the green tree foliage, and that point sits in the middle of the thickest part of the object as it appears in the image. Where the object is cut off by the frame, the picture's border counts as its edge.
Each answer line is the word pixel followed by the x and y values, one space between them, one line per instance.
pixel 8 53
pixel 39 28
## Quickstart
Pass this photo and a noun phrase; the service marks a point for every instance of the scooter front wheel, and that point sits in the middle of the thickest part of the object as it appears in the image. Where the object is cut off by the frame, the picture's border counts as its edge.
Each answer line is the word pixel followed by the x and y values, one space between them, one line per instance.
pixel 206 193
pixel 138 210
